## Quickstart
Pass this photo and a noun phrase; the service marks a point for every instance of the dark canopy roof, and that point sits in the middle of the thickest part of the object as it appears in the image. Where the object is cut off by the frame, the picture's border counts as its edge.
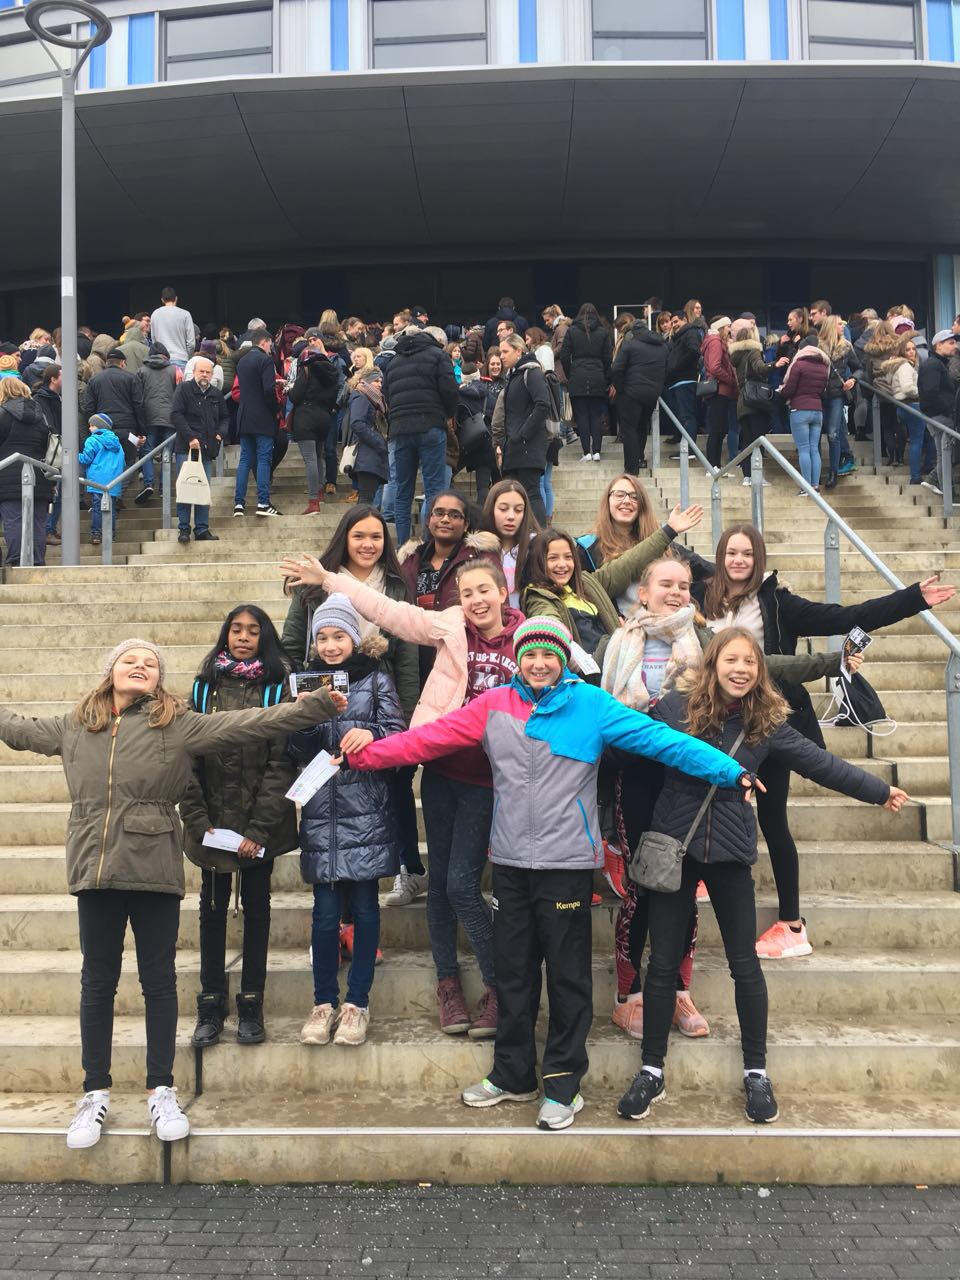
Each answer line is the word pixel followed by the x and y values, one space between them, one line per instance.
pixel 595 158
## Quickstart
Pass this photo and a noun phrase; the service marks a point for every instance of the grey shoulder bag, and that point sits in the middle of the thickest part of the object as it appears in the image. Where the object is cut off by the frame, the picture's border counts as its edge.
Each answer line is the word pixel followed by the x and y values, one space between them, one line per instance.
pixel 657 863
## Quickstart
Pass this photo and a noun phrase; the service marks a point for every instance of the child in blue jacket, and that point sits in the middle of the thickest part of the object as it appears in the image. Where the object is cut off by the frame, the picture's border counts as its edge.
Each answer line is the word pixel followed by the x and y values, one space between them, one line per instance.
pixel 544 734
pixel 102 455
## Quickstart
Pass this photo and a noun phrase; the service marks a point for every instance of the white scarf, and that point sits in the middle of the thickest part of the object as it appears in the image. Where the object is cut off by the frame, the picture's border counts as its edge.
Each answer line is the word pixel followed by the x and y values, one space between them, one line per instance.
pixel 376 581
pixel 623 660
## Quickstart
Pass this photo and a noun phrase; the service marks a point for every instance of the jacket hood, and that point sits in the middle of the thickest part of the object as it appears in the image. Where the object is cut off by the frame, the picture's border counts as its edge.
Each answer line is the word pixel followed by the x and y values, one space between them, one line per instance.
pixel 881 344
pixel 528 358
pixel 744 345
pixel 132 334
pixel 484 544
pixel 588 324
pixel 157 362
pixel 812 353
pixel 109 439
pixel 103 343
pixel 640 332
pixel 23 410
pixel 894 362
pixel 408 343
pixel 511 620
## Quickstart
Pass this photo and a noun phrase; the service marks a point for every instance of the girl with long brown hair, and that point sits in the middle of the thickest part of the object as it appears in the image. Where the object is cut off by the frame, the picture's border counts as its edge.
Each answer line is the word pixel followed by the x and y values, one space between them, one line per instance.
pixel 733 704
pixel 507 514
pixel 743 593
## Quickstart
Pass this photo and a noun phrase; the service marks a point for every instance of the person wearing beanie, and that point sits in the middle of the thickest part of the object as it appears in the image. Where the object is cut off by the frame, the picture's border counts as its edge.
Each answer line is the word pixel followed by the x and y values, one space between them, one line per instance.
pixel 127 752
pixel 348 829
pixel 544 734
pixel 102 455
pixel 9 366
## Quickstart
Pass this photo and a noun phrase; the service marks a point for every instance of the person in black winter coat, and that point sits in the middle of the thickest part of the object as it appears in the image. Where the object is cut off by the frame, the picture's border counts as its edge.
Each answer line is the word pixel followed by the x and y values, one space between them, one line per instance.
pixel 421 394
pixel 368 430
pixel 505 311
pixel 348 837
pixel 158 378
pixel 314 399
pixel 22 430
pixel 118 394
pixel 683 369
pixel 527 406
pixel 731 695
pixel 638 373
pixel 256 422
pixel 586 357
pixel 480 458
pixel 201 421
pixel 938 392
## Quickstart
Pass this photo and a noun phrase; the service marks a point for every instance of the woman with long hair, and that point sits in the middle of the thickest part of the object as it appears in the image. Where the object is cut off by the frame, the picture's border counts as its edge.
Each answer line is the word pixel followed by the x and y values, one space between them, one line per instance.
pixel 23 429
pixel 844 362
pixel 733 704
pixel 587 357
pixel 743 593
pixel 128 750
pixel 507 514
pixel 242 790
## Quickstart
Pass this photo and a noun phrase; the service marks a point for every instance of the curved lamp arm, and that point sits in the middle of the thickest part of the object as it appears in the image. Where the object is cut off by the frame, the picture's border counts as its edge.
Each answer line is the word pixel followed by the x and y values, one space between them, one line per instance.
pixel 101 25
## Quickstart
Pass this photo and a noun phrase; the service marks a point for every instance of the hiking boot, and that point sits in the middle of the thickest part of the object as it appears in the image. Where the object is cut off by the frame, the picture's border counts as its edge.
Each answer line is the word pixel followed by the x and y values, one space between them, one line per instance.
pixel 628 1015
pixel 782 942
pixel 644 1090
pixel 761 1106
pixel 486 1094
pixel 211 1014
pixel 164 1111
pixel 316 1030
pixel 614 869
pixel 353 1025
pixel 688 1019
pixel 559 1115
pixel 87 1125
pixel 250 1028
pixel 330 489
pixel 454 1017
pixel 352 496
pixel 485 1023
pixel 183 536
pixel 312 508
pixel 406 887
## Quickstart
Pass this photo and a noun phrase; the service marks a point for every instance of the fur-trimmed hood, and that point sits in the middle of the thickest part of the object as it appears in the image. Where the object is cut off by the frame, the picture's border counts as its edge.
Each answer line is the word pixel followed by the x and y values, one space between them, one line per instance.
pixel 484 544
pixel 743 346
pixel 812 353
pixel 881 345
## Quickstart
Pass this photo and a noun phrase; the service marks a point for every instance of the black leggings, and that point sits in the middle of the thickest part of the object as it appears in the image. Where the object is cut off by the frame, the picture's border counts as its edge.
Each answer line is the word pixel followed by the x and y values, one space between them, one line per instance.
pixel 731 893
pixel 752 427
pixel 772 816
pixel 155 919
pixel 367 485
pixel 634 428
pixel 215 898
pixel 590 416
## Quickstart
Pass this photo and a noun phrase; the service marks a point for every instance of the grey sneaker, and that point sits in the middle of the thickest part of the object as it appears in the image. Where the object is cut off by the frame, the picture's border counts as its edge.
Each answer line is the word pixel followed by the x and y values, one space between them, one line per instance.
pixel 406 887
pixel 558 1115
pixel 486 1094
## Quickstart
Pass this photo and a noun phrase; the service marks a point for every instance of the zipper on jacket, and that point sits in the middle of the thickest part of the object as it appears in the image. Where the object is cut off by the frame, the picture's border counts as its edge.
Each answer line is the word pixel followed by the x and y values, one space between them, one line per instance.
pixel 106 817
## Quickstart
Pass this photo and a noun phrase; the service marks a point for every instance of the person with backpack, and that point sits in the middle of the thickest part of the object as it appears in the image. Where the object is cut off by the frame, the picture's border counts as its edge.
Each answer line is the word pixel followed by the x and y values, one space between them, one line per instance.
pixel 243 790
pixel 368 430
pixel 523 439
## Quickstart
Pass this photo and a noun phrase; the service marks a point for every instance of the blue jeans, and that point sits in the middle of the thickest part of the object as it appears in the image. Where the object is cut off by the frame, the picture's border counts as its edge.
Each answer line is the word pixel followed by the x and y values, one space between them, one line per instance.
pixel 457 818
pixel 54 518
pixel 96 515
pixel 154 436
pixel 254 450
pixel 835 422
pixel 388 492
pixel 921 451
pixel 682 399
pixel 805 427
pixel 328 909
pixel 201 515
pixel 546 489
pixel 428 451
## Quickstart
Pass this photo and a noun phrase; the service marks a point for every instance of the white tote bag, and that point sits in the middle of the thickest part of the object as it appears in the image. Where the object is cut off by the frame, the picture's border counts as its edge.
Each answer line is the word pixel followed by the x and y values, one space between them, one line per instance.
pixel 193 487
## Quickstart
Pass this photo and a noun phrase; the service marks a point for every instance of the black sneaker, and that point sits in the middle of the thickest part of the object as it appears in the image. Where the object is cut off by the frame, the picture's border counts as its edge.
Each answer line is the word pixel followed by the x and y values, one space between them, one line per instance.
pixel 238 508
pixel 265 510
pixel 206 536
pixel 645 1090
pixel 761 1105
pixel 145 494
pixel 183 535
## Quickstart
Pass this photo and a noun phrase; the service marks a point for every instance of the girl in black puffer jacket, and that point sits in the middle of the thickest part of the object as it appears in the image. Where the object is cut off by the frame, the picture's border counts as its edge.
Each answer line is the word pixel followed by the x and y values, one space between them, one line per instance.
pixel 587 357
pixel 348 837
pixel 732 695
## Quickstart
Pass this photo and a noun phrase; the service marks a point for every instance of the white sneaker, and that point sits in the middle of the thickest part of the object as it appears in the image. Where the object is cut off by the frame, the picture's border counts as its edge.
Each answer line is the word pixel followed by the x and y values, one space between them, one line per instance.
pixel 316 1030
pixel 165 1114
pixel 353 1025
pixel 87 1125
pixel 587 457
pixel 406 887
pixel 746 482
pixel 596 457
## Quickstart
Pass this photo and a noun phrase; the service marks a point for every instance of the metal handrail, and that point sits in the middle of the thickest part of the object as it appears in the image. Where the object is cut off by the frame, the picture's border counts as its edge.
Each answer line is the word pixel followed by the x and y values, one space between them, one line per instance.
pixel 831 543
pixel 946 435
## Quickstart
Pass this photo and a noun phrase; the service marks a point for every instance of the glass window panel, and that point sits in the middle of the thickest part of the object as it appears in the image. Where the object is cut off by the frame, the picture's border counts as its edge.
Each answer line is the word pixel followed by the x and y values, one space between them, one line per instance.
pixel 395 19
pixel 29 88
pixel 607 50
pixel 648 16
pixel 853 20
pixel 23 58
pixel 248 29
pixel 851 51
pixel 240 64
pixel 440 53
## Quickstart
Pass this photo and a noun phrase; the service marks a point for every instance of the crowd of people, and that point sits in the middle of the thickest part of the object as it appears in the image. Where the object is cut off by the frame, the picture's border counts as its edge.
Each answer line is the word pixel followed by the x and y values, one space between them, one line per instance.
pixel 498 399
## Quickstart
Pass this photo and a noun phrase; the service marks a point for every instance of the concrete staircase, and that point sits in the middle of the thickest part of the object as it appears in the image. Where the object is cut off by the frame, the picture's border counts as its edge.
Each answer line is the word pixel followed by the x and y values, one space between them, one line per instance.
pixel 864 1035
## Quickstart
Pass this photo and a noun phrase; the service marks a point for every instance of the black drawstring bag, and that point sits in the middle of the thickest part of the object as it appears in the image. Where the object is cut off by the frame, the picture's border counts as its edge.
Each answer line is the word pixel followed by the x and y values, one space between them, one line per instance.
pixel 857 703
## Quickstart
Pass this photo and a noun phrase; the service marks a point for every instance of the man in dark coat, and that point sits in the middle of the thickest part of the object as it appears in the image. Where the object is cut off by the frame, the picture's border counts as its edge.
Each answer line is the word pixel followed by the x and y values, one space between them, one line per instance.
pixel 118 394
pixel 638 373
pixel 421 395
pixel 527 406
pixel 201 421
pixel 256 421
pixel 505 311
pixel 22 430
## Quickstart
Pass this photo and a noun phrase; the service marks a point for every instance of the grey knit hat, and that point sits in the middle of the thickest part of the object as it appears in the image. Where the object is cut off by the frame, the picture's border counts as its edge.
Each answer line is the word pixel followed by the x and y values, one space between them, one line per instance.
pixel 337 611
pixel 135 643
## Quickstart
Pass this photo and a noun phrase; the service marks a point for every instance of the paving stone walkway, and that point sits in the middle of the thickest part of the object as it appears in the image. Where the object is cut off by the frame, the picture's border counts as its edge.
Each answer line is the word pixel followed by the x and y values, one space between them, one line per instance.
pixel 581 1233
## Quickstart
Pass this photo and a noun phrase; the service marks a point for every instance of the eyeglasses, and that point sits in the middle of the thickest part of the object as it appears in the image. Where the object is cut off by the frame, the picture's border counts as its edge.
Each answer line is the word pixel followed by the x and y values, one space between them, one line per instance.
pixel 447 513
pixel 623 495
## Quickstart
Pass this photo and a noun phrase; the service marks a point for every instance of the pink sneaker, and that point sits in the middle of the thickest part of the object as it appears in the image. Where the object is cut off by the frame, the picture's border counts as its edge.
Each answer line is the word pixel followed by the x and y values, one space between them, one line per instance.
pixel 628 1015
pixel 614 869
pixel 688 1019
pixel 703 893
pixel 780 942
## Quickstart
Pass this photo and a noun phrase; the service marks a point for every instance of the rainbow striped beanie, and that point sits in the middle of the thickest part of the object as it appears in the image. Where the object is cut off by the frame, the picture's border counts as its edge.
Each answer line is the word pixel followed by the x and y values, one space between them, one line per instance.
pixel 543 633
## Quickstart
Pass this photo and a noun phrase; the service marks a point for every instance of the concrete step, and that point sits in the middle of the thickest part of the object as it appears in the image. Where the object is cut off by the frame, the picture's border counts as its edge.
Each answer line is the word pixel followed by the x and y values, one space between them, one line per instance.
pixel 870 919
pixel 694 1136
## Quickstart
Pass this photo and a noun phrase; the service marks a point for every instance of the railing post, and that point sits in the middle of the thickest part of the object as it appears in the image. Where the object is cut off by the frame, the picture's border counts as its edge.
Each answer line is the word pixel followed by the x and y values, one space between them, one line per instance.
pixel 27 482
pixel 877 439
pixel 716 511
pixel 756 488
pixel 166 472
pixel 655 436
pixel 831 563
pixel 106 528
pixel 684 473
pixel 953 750
pixel 946 474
